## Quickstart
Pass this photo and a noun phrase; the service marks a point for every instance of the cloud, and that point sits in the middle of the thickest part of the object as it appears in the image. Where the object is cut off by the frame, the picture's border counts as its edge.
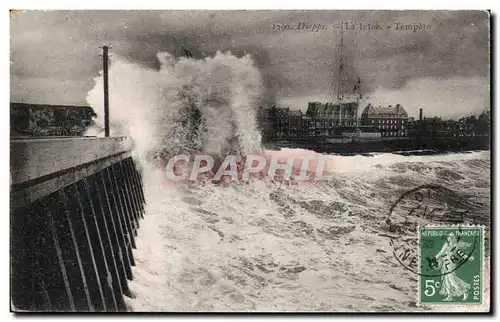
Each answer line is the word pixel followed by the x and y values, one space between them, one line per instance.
pixel 42 90
pixel 62 46
pixel 450 98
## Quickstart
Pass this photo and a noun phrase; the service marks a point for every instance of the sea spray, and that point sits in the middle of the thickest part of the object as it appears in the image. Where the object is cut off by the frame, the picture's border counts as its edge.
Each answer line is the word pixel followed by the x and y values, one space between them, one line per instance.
pixel 187 104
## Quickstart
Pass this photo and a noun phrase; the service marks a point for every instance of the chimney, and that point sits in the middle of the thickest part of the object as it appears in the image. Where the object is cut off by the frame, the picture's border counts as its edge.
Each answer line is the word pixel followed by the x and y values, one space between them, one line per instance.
pixel 421 114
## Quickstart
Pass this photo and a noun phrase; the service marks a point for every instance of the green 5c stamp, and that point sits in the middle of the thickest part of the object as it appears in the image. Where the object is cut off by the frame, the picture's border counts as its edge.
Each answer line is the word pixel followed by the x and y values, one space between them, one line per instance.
pixel 451 264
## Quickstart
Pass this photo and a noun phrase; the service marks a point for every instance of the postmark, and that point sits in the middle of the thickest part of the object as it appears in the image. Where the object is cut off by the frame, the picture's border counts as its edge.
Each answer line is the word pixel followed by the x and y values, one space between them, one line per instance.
pixel 451 262
pixel 419 207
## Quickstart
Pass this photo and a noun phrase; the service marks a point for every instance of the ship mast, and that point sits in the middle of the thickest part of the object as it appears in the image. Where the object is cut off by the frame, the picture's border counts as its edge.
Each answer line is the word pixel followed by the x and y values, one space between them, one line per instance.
pixel 341 65
pixel 340 74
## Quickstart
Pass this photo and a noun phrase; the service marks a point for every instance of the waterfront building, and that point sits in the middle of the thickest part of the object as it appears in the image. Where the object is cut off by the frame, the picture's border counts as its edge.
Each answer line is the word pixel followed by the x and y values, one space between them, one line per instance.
pixel 388 120
pixel 308 128
pixel 469 126
pixel 274 121
pixel 328 117
pixel 428 127
pixel 267 123
pixel 295 120
pixel 50 120
pixel 282 120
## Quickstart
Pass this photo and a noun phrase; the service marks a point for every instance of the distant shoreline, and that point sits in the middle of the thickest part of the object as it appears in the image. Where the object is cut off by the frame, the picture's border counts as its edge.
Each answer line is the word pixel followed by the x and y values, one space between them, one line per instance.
pixel 408 146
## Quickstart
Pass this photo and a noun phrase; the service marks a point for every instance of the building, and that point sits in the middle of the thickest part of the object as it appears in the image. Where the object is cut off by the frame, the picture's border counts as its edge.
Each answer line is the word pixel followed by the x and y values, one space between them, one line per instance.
pixel 275 121
pixel 388 120
pixel 43 119
pixel 266 120
pixel 433 127
pixel 295 122
pixel 330 118
pixel 469 126
pixel 308 128
pixel 282 120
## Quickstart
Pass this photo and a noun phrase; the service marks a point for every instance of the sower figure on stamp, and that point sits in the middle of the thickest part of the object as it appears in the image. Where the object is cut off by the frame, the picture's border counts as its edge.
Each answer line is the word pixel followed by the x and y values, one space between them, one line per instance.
pixel 452 285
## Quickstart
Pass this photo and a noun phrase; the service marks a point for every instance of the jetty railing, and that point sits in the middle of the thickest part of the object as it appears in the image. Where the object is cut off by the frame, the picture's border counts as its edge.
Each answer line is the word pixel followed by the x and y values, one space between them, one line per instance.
pixel 75 207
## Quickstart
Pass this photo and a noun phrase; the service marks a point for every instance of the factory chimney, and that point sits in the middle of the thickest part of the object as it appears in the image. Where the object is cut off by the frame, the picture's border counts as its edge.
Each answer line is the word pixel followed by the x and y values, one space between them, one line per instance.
pixel 421 114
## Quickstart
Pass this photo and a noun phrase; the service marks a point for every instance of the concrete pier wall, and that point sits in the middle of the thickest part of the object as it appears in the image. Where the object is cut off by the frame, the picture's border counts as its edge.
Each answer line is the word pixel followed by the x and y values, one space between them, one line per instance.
pixel 76 205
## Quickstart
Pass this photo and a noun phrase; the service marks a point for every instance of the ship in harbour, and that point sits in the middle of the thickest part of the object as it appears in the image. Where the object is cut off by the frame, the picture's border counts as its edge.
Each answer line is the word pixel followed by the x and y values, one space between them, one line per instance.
pixel 340 115
pixel 338 127
pixel 336 121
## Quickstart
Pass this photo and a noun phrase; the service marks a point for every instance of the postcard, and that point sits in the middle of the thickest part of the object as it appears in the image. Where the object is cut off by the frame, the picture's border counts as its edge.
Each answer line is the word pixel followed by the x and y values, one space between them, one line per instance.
pixel 250 161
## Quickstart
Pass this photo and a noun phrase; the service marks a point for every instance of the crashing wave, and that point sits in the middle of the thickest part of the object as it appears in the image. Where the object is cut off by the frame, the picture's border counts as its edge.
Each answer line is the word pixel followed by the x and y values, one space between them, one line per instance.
pixel 186 106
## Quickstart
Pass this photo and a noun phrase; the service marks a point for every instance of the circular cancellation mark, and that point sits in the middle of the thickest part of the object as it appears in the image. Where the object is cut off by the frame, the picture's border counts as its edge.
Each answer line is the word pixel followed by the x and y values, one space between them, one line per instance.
pixel 420 207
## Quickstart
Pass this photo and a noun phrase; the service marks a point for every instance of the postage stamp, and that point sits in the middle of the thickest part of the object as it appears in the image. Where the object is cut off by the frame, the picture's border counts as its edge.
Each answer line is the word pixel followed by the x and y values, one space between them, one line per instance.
pixel 451 263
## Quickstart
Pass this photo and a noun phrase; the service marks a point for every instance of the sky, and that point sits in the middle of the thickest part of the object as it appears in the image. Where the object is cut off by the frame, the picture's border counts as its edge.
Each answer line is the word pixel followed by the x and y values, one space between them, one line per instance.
pixel 443 68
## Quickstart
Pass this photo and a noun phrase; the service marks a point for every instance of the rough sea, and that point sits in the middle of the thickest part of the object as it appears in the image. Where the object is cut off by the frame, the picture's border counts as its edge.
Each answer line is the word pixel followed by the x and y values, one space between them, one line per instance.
pixel 264 246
